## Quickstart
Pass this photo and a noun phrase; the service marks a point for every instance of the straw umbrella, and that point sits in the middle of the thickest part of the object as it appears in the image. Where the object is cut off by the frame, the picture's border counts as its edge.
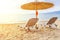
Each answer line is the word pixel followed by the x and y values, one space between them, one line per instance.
pixel 36 5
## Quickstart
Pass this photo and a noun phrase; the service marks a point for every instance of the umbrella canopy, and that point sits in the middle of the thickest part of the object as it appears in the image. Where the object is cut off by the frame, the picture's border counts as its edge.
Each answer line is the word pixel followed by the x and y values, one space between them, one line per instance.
pixel 40 5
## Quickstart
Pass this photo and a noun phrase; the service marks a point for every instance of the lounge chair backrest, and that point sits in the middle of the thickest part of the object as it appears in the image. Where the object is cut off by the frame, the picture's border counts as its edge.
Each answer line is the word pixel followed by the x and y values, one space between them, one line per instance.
pixel 52 20
pixel 31 22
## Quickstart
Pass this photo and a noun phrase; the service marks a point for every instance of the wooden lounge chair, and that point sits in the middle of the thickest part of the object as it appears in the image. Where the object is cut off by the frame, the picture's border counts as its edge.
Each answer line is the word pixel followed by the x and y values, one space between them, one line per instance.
pixel 51 21
pixel 31 23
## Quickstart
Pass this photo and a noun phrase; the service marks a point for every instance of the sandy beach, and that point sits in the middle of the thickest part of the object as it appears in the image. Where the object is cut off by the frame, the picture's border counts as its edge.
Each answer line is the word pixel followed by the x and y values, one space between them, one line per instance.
pixel 14 32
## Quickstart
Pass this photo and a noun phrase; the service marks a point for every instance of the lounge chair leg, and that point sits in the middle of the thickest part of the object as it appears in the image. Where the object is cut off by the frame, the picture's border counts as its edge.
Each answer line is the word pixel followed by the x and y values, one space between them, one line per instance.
pixel 50 26
pixel 28 30
pixel 36 26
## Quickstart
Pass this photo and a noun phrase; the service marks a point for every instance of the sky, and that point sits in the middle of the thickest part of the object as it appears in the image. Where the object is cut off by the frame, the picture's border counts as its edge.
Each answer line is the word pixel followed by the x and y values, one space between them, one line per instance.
pixel 11 12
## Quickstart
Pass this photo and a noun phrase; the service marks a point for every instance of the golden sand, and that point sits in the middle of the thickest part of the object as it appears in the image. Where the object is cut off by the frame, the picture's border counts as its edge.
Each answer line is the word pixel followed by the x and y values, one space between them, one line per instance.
pixel 15 32
pixel 40 5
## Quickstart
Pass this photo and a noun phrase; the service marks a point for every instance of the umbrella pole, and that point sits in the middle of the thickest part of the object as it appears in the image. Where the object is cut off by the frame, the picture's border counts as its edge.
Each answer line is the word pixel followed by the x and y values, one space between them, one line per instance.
pixel 36 12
